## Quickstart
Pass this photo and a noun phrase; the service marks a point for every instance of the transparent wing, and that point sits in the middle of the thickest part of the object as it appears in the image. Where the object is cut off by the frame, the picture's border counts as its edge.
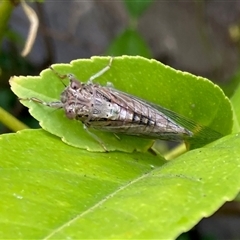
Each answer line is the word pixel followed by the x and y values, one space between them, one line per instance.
pixel 200 133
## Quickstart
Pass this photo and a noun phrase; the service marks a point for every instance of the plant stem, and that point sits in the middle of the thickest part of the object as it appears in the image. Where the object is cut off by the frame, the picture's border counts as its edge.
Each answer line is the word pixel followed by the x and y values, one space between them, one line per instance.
pixel 179 150
pixel 10 121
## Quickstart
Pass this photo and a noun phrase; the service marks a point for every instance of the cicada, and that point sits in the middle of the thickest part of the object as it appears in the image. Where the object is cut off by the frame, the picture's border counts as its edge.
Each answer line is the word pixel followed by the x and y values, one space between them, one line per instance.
pixel 108 109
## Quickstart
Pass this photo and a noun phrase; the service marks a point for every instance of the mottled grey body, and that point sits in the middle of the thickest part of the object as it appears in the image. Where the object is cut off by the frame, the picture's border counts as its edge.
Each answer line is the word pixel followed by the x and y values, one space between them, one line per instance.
pixel 108 109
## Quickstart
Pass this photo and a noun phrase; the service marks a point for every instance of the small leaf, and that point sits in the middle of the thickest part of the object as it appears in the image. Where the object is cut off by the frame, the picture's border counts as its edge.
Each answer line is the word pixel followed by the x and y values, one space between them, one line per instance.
pixel 129 42
pixel 136 8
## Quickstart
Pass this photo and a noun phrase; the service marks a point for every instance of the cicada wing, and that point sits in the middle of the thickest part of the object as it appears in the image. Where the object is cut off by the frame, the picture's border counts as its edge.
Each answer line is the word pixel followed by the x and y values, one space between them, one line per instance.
pixel 200 132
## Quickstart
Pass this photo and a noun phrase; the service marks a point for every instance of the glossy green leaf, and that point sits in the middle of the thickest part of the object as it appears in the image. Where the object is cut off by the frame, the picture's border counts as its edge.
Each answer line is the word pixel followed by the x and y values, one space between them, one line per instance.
pixel 50 190
pixel 193 97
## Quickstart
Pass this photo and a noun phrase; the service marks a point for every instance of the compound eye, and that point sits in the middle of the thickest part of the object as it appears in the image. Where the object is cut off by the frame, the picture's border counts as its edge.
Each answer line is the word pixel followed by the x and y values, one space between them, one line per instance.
pixel 75 84
pixel 70 113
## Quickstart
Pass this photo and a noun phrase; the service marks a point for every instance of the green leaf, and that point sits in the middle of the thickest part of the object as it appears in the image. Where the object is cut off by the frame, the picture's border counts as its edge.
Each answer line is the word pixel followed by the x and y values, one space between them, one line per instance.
pixel 129 42
pixel 235 100
pixel 136 8
pixel 232 84
pixel 193 97
pixel 52 190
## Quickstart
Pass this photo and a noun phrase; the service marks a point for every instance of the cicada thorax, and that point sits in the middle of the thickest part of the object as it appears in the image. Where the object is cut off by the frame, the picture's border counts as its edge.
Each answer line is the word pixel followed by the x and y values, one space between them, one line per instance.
pixel 77 99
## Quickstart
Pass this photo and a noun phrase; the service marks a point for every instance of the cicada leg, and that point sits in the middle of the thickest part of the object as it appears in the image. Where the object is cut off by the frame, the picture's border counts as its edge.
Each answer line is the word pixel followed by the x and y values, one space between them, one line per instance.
pixel 101 72
pixel 56 104
pixel 96 138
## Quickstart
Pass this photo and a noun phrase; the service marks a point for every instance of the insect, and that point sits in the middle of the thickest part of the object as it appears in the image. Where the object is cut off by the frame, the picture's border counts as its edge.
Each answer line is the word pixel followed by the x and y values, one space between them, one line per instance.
pixel 108 109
